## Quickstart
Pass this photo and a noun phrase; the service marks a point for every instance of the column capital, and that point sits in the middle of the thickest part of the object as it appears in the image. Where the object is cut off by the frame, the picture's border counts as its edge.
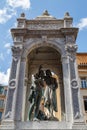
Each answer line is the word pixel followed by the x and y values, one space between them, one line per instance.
pixel 16 50
pixel 71 51
pixel 71 48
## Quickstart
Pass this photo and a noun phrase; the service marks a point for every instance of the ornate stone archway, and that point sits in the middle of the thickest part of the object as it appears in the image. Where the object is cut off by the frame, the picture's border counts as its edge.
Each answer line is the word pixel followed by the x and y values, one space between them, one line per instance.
pixel 49 58
pixel 44 31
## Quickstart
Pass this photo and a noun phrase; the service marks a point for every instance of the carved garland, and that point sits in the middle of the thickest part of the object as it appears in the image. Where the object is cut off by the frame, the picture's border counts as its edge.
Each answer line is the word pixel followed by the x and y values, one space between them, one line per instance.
pixel 12 84
pixel 74 84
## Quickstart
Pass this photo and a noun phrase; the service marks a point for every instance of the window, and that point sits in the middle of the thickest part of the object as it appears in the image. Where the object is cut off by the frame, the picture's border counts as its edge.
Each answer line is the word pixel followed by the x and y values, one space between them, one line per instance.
pixel 84 82
pixel 5 92
pixel 1 90
pixel 85 103
pixel 0 115
pixel 1 103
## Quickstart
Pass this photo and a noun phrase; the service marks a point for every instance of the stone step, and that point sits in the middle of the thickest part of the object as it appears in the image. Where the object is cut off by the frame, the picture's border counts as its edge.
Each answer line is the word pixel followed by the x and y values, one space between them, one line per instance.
pixel 39 125
pixel 79 125
pixel 43 125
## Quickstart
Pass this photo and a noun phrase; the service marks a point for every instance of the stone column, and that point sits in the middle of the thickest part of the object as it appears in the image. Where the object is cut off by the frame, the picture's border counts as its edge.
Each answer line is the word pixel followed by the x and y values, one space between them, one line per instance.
pixel 13 84
pixel 24 99
pixel 80 98
pixel 19 97
pixel 67 88
pixel 71 52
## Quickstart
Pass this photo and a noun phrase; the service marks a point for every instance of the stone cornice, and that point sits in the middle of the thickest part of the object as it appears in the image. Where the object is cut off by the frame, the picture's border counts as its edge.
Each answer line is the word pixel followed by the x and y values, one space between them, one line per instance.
pixel 53 32
pixel 36 33
pixel 18 31
pixel 70 31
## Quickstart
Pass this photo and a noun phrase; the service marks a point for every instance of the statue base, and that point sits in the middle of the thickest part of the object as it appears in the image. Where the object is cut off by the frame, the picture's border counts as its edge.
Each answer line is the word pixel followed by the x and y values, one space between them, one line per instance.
pixel 38 125
pixel 8 124
pixel 79 124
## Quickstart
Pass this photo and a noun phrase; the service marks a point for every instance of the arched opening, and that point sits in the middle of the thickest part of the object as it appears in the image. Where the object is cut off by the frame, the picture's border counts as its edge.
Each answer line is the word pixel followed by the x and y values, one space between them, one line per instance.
pixel 49 58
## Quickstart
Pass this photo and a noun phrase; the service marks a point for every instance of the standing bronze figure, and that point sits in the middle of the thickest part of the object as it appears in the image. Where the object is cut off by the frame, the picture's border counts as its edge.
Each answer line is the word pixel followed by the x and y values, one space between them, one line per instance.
pixel 38 93
pixel 50 93
pixel 35 97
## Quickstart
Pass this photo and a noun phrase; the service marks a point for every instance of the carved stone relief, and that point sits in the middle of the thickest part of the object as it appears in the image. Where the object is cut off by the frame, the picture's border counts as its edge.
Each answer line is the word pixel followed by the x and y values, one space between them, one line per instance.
pixel 18 39
pixel 44 26
pixel 16 50
pixel 71 51
pixel 74 84
pixel 71 48
pixel 16 55
pixel 70 39
pixel 44 38
pixel 12 84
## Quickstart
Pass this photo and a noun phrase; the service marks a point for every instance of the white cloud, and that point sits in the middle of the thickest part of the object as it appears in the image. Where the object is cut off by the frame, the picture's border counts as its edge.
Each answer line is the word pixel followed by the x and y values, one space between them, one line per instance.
pixel 82 24
pixel 8 51
pixel 8 47
pixel 1 56
pixel 9 9
pixel 6 14
pixel 25 4
pixel 4 77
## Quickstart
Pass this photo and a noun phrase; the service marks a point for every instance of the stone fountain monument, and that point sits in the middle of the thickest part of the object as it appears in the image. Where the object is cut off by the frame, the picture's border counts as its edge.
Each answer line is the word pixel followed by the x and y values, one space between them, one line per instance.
pixel 49 42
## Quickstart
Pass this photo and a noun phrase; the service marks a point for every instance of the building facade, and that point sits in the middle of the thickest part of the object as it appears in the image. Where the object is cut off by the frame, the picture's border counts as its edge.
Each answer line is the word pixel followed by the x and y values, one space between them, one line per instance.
pixel 49 42
pixel 3 92
pixel 82 72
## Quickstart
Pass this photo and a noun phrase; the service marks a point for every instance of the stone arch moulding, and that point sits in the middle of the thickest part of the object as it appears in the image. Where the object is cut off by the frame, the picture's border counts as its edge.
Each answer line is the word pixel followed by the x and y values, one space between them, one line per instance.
pixel 29 46
pixel 32 45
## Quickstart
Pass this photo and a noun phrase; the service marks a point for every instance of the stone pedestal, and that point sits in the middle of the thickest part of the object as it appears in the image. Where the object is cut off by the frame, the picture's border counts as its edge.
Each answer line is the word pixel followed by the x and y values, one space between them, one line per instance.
pixel 52 125
pixel 8 124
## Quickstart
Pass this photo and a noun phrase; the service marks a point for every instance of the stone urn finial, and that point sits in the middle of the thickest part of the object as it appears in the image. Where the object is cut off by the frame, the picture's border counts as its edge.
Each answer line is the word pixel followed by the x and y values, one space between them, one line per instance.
pixel 22 14
pixel 45 13
pixel 67 14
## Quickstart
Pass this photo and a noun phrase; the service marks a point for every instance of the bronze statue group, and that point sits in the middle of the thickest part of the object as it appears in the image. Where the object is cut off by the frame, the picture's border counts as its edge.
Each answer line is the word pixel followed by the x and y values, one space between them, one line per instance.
pixel 43 94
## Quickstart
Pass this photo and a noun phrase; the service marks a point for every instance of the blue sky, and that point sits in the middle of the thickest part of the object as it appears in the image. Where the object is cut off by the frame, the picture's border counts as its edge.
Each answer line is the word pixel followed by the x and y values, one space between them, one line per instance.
pixel 10 10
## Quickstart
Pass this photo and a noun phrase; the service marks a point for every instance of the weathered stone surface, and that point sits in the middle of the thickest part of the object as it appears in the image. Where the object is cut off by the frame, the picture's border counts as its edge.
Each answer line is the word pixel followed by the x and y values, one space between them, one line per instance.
pixel 56 38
